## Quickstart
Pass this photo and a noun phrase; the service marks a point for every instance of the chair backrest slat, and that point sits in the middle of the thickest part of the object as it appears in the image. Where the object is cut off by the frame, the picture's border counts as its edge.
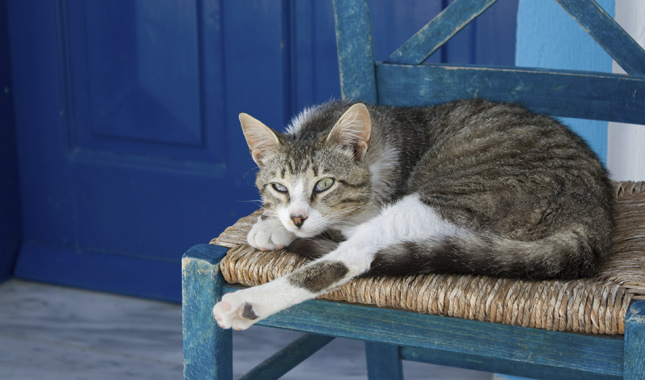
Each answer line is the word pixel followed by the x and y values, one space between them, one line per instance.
pixel 608 34
pixel 355 55
pixel 586 95
pixel 596 96
pixel 438 31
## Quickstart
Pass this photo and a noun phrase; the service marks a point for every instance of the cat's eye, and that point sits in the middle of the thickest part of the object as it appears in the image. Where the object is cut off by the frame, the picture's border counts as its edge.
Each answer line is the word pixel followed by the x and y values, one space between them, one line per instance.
pixel 323 184
pixel 279 188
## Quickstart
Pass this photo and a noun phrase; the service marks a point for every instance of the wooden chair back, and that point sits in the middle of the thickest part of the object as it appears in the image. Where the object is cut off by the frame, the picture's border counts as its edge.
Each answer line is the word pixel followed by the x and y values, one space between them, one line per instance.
pixel 404 80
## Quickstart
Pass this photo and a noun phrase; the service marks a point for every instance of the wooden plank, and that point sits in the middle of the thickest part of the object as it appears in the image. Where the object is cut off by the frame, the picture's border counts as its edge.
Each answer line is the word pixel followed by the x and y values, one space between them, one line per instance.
pixel 609 35
pixel 207 348
pixel 286 359
pixel 383 361
pixel 635 342
pixel 355 55
pixel 438 31
pixel 505 366
pixel 548 350
pixel 596 96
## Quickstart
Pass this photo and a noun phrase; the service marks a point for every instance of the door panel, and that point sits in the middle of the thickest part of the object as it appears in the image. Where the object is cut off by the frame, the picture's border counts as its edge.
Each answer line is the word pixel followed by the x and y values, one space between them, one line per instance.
pixel 129 143
pixel 10 225
pixel 141 76
pixel 128 160
pixel 134 80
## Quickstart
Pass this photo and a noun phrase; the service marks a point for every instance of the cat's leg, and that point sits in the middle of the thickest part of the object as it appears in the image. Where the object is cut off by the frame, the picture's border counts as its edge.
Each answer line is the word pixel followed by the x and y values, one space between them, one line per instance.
pixel 268 233
pixel 316 247
pixel 407 220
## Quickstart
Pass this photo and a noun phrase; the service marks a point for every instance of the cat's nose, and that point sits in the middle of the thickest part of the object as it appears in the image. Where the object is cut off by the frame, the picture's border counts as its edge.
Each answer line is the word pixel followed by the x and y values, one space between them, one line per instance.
pixel 298 220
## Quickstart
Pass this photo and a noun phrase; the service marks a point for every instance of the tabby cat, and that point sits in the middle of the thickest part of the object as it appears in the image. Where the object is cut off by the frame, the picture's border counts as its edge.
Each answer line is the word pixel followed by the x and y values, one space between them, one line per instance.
pixel 469 187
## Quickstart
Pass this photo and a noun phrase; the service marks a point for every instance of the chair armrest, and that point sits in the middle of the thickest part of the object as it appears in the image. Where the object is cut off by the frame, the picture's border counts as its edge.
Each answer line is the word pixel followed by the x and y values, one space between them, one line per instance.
pixel 205 344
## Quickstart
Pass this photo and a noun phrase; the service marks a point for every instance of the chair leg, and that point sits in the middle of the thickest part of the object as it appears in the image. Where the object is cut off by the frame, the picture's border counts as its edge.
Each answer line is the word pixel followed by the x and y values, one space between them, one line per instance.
pixel 383 361
pixel 634 367
pixel 208 349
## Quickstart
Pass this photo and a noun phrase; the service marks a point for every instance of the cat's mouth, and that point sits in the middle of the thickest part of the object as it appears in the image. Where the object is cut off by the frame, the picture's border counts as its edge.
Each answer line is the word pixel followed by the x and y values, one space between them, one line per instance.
pixel 306 229
pixel 303 223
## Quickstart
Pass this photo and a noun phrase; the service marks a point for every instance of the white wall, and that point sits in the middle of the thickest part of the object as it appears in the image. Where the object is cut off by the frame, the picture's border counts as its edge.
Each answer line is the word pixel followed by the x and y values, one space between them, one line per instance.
pixel 625 142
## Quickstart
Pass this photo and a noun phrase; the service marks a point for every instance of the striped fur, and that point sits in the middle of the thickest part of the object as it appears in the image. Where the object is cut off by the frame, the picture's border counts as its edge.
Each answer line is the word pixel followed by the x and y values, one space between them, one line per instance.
pixel 495 169
pixel 463 187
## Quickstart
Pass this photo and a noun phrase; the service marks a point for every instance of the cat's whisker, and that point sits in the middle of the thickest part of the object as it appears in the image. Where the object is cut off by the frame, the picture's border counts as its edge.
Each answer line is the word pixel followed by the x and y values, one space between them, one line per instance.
pixel 258 201
pixel 249 171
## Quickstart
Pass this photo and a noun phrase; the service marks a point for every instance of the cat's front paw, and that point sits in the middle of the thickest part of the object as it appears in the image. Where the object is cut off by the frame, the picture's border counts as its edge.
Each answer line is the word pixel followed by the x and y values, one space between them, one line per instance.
pixel 236 312
pixel 268 233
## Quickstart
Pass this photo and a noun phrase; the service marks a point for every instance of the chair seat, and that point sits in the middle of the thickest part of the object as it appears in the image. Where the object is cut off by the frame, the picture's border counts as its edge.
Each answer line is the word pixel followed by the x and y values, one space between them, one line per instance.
pixel 595 305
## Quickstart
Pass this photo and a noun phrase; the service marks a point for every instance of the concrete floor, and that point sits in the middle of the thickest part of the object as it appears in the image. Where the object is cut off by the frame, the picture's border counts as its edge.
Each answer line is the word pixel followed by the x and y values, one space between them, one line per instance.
pixel 51 332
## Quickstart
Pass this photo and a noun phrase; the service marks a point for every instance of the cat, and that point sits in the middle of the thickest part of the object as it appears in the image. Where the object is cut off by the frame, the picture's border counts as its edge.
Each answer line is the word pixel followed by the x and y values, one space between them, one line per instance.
pixel 471 187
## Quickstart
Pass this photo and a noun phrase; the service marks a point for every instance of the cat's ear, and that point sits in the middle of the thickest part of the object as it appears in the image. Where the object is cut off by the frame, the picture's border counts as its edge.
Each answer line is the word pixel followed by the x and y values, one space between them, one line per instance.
pixel 262 140
pixel 353 130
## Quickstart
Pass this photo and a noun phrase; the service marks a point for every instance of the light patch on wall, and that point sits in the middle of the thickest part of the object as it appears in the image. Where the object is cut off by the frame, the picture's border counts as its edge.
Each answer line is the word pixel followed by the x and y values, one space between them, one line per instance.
pixel 625 152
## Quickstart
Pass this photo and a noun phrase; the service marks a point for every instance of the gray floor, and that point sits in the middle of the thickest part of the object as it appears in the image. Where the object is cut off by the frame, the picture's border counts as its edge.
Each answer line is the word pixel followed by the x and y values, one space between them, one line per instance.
pixel 51 332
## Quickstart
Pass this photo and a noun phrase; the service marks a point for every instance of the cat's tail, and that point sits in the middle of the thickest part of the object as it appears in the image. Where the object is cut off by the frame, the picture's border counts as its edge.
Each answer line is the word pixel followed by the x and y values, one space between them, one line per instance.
pixel 570 253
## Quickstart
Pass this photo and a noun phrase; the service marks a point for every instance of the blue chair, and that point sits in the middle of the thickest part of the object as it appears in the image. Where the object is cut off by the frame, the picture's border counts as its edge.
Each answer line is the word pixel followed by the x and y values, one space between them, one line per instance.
pixel 393 335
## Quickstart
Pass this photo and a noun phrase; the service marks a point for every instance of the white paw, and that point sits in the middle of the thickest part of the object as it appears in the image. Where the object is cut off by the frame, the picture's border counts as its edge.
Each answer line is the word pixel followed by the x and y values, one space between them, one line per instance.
pixel 268 234
pixel 236 312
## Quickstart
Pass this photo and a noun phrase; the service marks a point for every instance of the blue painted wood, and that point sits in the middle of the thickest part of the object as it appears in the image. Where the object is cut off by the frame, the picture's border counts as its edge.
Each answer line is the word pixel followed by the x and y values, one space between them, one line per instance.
pixel 609 35
pixel 499 376
pixel 10 219
pixel 555 92
pixel 359 70
pixel 403 22
pixel 515 350
pixel 208 349
pixel 498 365
pixel 635 342
pixel 355 55
pixel 551 351
pixel 286 359
pixel 489 39
pixel 383 361
pixel 438 31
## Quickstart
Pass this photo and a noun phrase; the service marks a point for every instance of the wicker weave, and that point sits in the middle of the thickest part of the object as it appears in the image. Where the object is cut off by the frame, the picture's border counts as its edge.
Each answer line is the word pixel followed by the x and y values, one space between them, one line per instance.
pixel 593 305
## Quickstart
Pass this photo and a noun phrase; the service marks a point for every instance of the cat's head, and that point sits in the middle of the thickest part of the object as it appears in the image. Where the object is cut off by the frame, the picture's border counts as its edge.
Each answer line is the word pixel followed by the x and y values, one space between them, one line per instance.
pixel 315 178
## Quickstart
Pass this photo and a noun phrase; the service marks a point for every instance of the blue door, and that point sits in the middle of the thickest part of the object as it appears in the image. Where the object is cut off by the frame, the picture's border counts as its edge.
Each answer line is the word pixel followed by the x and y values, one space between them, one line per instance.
pixel 10 225
pixel 128 142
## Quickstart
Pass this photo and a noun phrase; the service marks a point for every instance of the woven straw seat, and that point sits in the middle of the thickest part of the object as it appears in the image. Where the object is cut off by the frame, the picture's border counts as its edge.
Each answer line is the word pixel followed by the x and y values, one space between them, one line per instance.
pixel 595 305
